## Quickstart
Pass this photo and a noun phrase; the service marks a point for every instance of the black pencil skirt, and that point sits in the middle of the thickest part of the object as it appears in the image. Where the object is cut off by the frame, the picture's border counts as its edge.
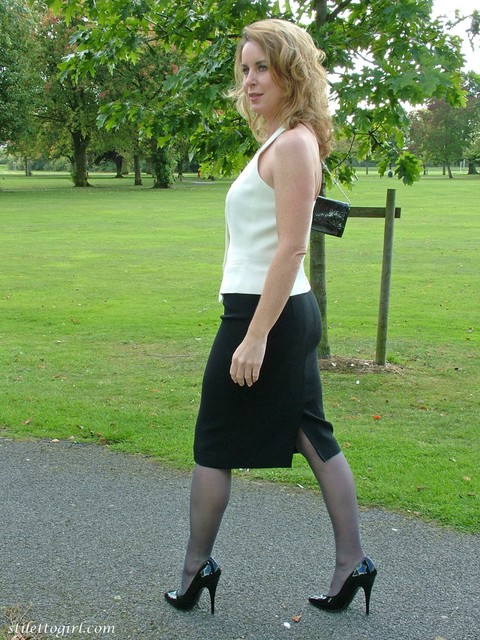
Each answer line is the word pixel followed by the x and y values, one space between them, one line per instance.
pixel 257 426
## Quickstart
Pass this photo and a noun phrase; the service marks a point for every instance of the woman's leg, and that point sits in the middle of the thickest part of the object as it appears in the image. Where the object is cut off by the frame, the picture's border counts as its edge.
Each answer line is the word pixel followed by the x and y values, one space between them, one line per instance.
pixel 209 497
pixel 338 488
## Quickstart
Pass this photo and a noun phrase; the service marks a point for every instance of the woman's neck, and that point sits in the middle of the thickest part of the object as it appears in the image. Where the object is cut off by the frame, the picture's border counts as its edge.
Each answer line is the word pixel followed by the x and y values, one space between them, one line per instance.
pixel 272 124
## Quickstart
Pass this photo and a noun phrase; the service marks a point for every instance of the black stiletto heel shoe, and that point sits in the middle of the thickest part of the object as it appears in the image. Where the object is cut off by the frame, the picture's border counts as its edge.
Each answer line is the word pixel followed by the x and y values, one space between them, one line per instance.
pixel 362 577
pixel 207 577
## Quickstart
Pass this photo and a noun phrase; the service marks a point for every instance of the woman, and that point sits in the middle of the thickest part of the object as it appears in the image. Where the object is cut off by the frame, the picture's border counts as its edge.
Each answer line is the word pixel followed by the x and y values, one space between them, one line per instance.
pixel 261 397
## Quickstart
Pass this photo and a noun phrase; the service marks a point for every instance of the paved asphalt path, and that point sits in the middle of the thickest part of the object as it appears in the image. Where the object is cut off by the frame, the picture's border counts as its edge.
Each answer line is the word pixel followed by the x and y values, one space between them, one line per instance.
pixel 94 537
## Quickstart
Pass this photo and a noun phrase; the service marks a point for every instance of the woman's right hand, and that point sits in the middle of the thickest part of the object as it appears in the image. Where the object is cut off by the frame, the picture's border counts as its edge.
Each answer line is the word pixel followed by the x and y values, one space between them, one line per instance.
pixel 247 361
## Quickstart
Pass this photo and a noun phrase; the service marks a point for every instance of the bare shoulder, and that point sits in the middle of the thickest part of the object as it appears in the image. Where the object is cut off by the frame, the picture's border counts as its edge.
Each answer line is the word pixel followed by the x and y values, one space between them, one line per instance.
pixel 297 143
pixel 293 158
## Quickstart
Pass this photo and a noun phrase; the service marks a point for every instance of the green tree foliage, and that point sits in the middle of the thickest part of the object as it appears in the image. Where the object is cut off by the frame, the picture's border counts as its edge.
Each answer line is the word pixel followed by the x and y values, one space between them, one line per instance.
pixel 471 151
pixel 129 103
pixel 189 101
pixel 69 106
pixel 385 56
pixel 18 70
pixel 442 134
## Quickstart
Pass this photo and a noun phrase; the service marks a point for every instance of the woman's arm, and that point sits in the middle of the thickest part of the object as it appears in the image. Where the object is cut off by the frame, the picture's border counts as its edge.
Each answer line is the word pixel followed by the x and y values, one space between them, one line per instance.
pixel 293 169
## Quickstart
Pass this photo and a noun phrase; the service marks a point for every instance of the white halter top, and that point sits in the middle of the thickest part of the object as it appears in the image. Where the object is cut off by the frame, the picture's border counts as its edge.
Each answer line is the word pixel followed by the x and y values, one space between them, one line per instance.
pixel 251 232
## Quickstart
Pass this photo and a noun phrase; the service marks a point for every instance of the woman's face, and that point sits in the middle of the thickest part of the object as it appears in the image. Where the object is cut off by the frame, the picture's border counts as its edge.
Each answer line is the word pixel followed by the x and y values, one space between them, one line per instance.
pixel 265 96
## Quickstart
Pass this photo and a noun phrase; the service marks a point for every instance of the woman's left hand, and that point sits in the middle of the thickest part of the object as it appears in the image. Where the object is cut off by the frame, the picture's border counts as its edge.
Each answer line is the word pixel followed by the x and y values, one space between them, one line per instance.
pixel 247 361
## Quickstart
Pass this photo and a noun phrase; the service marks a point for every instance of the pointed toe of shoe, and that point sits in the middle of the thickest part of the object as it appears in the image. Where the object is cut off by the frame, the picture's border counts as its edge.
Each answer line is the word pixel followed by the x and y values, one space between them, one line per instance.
pixel 324 602
pixel 171 597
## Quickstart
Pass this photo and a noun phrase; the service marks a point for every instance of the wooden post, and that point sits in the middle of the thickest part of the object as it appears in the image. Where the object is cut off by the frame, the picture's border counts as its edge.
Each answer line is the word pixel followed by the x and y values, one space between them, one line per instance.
pixel 318 279
pixel 380 356
pixel 319 287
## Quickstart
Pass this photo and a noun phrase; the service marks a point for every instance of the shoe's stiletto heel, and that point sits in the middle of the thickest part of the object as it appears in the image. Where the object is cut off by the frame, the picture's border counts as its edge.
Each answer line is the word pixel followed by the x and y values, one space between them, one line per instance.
pixel 367 589
pixel 212 590
pixel 207 577
pixel 362 577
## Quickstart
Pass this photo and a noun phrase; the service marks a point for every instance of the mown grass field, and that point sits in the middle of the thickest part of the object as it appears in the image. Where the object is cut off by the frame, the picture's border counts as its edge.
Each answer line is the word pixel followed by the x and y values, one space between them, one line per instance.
pixel 108 306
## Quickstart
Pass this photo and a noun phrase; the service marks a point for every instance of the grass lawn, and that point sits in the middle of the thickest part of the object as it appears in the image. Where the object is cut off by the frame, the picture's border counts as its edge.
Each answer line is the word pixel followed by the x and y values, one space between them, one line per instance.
pixel 109 304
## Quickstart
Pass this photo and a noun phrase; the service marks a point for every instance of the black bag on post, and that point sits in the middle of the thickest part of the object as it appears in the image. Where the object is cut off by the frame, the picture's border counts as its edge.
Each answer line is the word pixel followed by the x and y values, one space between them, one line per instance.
pixel 330 216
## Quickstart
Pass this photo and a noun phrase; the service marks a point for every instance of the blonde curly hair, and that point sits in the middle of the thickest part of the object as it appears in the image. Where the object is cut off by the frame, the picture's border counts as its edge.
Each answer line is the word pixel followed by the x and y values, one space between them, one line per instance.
pixel 296 66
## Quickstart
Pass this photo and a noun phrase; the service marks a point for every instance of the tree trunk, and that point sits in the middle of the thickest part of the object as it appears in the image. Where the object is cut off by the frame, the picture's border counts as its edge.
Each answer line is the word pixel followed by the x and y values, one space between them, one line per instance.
pixel 472 169
pixel 118 160
pixel 162 170
pixel 137 169
pixel 319 286
pixel 318 278
pixel 79 164
pixel 449 170
pixel 321 12
pixel 28 168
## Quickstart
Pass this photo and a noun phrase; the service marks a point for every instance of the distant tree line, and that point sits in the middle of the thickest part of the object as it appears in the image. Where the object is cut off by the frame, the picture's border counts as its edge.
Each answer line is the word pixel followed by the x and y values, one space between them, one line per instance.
pixel 441 135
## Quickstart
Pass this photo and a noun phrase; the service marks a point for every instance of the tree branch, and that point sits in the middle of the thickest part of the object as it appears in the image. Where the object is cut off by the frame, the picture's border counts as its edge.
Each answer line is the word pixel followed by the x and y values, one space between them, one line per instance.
pixel 343 5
